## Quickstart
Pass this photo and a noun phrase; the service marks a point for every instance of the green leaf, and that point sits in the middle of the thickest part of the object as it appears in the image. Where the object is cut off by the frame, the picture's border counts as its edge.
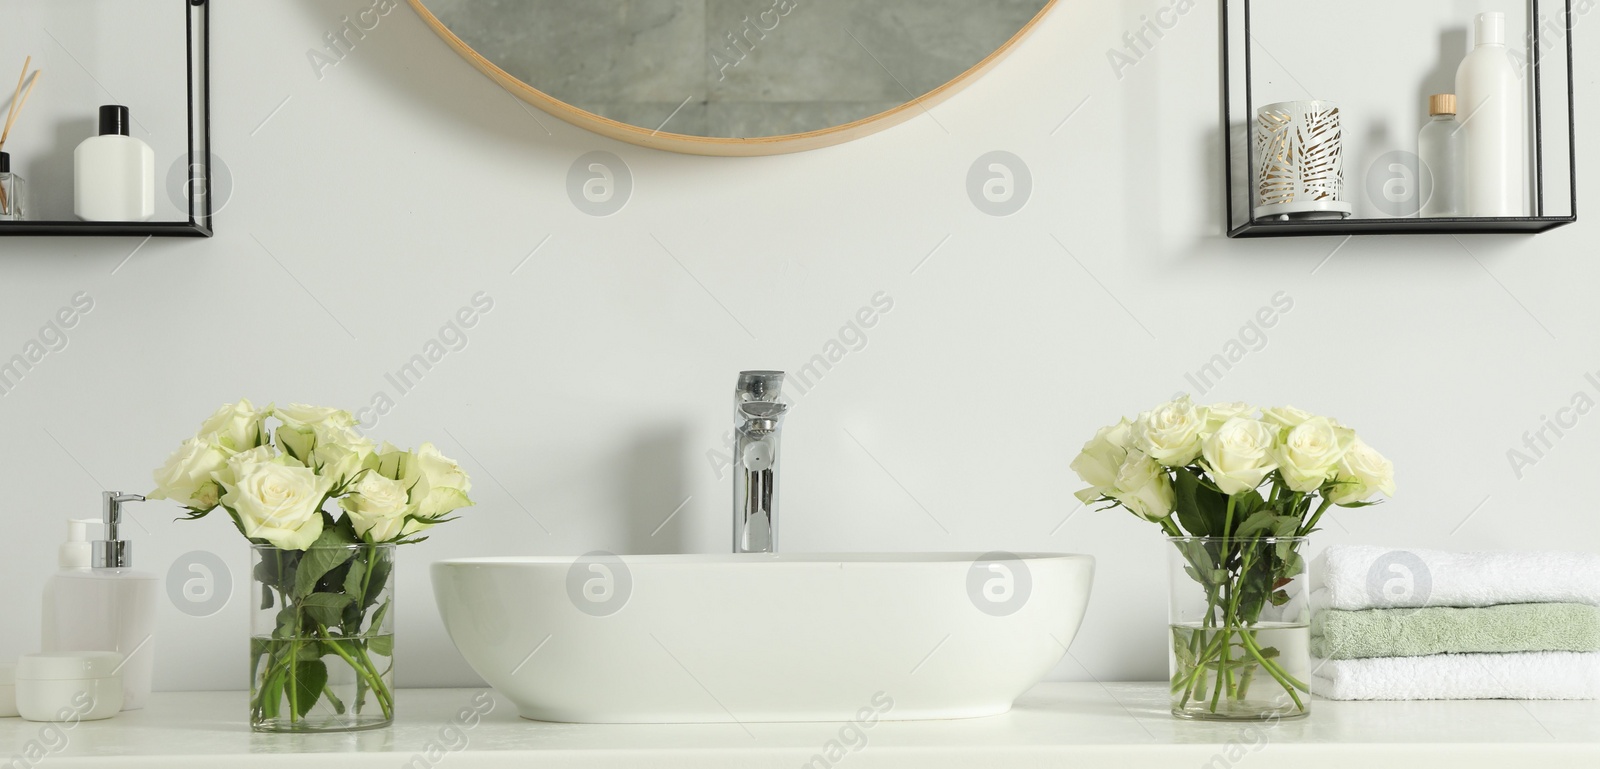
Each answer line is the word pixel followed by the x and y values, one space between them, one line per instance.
pixel 1201 510
pixel 1293 563
pixel 326 608
pixel 326 554
pixel 376 626
pixel 286 623
pixel 310 678
pixel 378 565
pixel 347 530
pixel 1194 574
pixel 1246 504
pixel 266 596
pixel 352 578
pixel 1285 550
pixel 271 695
pixel 266 572
pixel 1255 524
pixel 381 644
pixel 1180 649
pixel 1286 526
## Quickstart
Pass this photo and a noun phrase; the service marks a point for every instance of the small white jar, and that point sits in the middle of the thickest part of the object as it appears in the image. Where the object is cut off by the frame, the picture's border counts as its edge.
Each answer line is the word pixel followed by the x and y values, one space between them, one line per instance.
pixel 69 686
pixel 8 690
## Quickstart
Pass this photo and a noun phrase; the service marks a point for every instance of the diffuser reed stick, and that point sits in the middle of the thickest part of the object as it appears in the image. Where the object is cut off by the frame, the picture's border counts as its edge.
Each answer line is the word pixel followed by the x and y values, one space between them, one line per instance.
pixel 18 99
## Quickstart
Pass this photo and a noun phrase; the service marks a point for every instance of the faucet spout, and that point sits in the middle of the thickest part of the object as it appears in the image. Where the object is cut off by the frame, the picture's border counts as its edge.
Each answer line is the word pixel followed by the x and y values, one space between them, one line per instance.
pixel 758 422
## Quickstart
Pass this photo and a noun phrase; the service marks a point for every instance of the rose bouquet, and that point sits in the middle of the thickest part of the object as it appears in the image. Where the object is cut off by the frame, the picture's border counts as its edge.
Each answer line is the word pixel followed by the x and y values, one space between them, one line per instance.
pixel 1236 489
pixel 323 642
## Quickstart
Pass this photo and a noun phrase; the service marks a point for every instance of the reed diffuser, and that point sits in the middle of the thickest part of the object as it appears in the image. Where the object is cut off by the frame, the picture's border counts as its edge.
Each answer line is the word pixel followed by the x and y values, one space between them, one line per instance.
pixel 12 195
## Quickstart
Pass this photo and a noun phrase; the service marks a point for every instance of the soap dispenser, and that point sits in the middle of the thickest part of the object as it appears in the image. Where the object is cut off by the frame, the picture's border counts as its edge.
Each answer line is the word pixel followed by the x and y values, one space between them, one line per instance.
pixel 97 602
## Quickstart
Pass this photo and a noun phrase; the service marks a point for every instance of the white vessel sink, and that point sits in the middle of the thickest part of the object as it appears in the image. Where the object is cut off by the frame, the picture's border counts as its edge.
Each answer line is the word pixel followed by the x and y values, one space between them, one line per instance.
pixel 760 637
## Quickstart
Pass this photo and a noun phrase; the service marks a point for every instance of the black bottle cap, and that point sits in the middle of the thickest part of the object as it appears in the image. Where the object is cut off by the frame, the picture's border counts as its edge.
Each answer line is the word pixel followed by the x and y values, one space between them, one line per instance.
pixel 5 162
pixel 113 120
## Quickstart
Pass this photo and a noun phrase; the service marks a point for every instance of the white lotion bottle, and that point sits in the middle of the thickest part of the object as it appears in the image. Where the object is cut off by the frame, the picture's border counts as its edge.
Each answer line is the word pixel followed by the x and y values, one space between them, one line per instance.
pixel 106 605
pixel 1493 114
pixel 115 174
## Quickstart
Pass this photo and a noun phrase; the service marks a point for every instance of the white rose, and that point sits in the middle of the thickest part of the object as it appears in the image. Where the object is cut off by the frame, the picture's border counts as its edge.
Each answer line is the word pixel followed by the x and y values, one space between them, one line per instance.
pixel 302 416
pixel 1362 472
pixel 446 483
pixel 278 502
pixel 1284 416
pixel 306 427
pixel 235 427
pixel 186 478
pixel 1218 414
pixel 1238 456
pixel 391 462
pixel 1310 453
pixel 258 455
pixel 377 507
pixel 1100 460
pixel 1170 433
pixel 1144 487
pixel 338 464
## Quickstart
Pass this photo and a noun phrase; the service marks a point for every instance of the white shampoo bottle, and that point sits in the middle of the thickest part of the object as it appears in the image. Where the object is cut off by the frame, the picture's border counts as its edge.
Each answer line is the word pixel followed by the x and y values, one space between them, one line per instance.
pixel 104 605
pixel 115 177
pixel 1493 113
pixel 72 562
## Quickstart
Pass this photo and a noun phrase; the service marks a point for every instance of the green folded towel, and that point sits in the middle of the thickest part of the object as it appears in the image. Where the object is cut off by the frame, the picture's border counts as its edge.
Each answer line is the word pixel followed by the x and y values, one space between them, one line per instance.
pixel 1511 628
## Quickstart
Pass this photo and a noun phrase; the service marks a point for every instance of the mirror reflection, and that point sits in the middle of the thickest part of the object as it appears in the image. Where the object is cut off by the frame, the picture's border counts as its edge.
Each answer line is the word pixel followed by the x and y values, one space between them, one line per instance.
pixel 735 68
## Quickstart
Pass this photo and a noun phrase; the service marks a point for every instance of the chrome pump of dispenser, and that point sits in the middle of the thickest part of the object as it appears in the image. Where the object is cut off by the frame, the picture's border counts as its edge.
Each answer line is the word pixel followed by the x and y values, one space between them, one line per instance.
pixel 113 552
pixel 758 418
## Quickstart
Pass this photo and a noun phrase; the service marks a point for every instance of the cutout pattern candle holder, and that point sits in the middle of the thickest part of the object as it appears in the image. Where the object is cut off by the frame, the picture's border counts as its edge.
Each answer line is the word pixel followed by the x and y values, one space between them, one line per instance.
pixel 1299 150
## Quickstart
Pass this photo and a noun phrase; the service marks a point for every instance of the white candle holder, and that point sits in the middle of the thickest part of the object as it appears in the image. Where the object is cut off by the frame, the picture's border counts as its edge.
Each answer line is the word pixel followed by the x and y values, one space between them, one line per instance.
pixel 1299 154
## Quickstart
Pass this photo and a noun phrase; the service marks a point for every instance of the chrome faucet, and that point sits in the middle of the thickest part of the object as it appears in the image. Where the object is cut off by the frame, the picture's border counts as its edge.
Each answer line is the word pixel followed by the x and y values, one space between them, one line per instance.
pixel 758 416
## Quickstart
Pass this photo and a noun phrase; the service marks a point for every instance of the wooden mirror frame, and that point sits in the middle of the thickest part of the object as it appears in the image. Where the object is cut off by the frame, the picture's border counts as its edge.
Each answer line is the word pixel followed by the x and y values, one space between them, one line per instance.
pixel 720 146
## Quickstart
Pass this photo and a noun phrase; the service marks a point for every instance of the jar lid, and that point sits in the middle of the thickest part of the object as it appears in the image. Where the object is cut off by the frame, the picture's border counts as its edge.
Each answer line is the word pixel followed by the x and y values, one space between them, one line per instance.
pixel 1442 104
pixel 68 666
pixel 8 673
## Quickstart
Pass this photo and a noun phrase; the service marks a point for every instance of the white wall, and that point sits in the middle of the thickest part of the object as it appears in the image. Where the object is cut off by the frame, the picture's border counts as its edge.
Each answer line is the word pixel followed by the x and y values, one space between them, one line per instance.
pixel 380 198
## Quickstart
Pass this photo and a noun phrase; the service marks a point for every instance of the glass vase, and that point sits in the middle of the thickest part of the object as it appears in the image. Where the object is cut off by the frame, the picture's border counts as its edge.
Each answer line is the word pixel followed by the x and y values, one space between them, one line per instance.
pixel 1240 628
pixel 322 639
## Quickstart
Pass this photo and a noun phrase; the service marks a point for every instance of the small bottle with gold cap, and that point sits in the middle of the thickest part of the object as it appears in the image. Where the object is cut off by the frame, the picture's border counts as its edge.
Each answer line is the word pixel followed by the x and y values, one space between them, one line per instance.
pixel 1441 146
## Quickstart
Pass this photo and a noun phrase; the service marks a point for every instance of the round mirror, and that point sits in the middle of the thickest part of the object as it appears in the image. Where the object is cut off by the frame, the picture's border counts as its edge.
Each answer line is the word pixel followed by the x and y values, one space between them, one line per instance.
pixel 733 77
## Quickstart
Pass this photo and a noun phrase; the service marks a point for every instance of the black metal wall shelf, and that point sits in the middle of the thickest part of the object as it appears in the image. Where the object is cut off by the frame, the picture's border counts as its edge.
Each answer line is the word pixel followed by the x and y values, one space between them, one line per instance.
pixel 1483 225
pixel 1553 158
pixel 197 25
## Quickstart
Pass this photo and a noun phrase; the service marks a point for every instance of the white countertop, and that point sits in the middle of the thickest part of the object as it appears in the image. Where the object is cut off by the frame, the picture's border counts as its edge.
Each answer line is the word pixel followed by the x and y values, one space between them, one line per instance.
pixel 1054 725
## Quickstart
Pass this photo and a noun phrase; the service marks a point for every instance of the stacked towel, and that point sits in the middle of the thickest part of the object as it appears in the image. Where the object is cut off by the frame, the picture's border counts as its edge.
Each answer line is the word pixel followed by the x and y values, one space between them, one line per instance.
pixel 1521 627
pixel 1526 676
pixel 1357 578
pixel 1421 624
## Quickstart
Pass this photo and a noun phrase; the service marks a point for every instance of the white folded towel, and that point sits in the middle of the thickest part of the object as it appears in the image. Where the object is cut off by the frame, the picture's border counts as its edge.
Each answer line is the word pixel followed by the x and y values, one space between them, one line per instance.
pixel 1527 676
pixel 1367 577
